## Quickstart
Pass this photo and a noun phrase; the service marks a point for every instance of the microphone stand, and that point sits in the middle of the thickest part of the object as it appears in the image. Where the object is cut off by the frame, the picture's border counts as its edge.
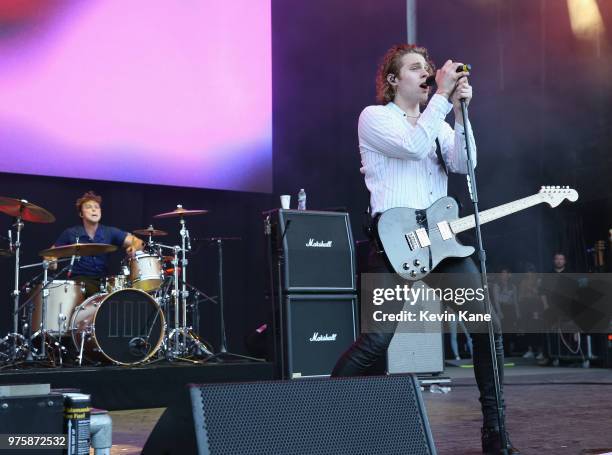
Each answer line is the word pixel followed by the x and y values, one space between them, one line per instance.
pixel 223 352
pixel 471 181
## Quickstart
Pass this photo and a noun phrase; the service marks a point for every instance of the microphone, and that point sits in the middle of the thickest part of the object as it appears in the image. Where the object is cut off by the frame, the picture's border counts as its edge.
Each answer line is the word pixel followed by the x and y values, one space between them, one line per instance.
pixel 431 80
pixel 69 274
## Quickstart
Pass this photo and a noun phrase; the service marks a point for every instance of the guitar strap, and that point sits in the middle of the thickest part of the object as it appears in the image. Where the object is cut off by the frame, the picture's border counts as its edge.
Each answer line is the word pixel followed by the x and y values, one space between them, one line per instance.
pixel 440 157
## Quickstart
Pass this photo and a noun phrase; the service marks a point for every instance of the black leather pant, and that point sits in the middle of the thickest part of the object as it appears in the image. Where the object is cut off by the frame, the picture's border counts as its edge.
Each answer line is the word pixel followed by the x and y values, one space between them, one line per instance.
pixel 369 347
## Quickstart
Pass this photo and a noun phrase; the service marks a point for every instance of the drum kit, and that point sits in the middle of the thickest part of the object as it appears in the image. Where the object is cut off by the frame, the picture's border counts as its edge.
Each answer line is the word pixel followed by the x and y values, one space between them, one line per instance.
pixel 140 315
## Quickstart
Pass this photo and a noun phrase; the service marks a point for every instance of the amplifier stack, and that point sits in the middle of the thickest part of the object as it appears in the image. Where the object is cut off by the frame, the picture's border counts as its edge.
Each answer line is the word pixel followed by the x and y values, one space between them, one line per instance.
pixel 315 286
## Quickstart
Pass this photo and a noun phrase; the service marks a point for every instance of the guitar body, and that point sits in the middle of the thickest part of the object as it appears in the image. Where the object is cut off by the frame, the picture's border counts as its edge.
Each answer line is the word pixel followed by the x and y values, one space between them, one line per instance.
pixel 416 241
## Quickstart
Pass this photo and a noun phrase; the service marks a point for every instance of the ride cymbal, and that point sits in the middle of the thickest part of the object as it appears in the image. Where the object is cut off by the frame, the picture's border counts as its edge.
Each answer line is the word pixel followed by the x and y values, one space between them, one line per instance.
pixel 150 231
pixel 179 212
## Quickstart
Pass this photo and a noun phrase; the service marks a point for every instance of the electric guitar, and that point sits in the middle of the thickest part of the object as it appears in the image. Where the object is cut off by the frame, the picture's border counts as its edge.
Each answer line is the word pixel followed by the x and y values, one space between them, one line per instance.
pixel 416 241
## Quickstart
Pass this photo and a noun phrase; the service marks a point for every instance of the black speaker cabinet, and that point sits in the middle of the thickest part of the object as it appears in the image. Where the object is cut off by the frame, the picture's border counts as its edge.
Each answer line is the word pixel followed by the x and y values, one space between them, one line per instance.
pixel 318 329
pixel 32 414
pixel 317 249
pixel 367 415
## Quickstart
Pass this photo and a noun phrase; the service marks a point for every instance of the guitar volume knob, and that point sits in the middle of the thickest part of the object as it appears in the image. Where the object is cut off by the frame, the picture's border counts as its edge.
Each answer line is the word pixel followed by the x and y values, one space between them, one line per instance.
pixel 424 269
pixel 413 273
pixel 417 262
pixel 405 266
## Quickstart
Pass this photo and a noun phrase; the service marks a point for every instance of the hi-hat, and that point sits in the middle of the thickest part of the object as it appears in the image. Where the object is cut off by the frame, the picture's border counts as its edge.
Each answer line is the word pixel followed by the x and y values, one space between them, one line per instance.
pixel 180 212
pixel 78 249
pixel 150 231
pixel 26 210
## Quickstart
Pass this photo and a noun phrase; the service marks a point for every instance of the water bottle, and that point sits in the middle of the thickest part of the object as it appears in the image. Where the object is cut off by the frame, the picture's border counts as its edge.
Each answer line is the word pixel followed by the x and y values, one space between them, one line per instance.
pixel 302 199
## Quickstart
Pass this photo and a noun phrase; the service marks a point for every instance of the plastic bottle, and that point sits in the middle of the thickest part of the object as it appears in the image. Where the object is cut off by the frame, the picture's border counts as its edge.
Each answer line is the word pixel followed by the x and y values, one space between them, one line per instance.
pixel 302 199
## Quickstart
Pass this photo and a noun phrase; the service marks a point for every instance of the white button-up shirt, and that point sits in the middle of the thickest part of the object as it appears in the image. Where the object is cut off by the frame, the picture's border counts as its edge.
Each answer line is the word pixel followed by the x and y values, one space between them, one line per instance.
pixel 399 160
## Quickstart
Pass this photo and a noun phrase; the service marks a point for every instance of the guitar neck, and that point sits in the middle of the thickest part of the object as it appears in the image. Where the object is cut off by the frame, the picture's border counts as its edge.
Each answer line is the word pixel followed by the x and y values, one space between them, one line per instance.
pixel 468 222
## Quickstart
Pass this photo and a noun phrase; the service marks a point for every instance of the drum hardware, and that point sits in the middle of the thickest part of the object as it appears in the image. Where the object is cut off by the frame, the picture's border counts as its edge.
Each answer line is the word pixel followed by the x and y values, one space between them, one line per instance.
pixel 180 334
pixel 21 210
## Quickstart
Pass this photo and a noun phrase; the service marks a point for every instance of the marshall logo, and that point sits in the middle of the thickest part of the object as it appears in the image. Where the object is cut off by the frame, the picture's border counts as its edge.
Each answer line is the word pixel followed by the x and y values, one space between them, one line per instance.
pixel 327 337
pixel 312 243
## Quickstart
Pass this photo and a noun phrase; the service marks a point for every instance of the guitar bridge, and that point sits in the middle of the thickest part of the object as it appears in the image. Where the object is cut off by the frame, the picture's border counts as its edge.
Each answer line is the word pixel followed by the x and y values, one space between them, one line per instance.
pixel 412 240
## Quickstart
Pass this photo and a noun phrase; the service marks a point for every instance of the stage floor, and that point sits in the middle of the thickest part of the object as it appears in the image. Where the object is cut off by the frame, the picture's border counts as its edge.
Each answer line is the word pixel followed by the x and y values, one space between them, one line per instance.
pixel 135 387
pixel 550 411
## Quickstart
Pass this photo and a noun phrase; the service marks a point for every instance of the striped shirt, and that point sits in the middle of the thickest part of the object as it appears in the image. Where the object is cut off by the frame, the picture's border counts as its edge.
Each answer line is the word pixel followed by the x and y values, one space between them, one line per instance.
pixel 399 160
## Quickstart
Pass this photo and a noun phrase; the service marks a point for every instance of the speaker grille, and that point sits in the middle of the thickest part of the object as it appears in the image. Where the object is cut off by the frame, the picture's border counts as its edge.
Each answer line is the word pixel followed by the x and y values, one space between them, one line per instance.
pixel 310 316
pixel 318 251
pixel 382 415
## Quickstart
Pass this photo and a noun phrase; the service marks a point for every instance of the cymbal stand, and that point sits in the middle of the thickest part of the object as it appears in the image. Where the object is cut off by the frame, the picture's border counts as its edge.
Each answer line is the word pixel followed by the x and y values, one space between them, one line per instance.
pixel 180 335
pixel 185 243
pixel 15 335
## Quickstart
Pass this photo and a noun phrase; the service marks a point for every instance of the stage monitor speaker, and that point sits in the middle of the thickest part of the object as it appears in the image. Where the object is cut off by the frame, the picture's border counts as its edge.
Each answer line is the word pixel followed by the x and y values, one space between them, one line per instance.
pixel 318 250
pixel 318 329
pixel 367 415
pixel 417 347
pixel 32 414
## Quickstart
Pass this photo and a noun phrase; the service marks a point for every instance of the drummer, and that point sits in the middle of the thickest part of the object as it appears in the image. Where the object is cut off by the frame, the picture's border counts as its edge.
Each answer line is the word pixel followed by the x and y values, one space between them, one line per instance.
pixel 91 269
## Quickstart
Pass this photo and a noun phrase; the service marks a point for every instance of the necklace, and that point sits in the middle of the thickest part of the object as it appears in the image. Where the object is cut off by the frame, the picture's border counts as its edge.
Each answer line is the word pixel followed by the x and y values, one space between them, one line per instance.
pixel 412 116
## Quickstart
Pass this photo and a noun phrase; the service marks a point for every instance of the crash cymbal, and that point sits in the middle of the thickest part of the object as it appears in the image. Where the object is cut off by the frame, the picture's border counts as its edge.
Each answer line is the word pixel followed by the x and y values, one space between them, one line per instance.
pixel 150 231
pixel 26 210
pixel 179 212
pixel 78 249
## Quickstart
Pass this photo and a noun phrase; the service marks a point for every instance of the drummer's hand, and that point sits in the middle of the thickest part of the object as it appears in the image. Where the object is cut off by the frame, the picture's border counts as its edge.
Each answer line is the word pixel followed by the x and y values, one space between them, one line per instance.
pixel 52 262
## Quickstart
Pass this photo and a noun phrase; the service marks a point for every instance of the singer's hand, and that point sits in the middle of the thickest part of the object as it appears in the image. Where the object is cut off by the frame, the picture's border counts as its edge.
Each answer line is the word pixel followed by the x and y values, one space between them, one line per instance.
pixel 462 91
pixel 446 78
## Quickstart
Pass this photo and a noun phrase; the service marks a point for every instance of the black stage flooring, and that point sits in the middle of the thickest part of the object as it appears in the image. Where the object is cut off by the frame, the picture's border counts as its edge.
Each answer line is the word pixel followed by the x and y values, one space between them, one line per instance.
pixel 147 386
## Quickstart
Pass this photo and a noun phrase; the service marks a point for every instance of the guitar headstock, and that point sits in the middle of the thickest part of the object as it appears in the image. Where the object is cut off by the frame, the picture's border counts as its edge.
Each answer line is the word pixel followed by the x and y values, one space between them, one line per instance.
pixel 555 195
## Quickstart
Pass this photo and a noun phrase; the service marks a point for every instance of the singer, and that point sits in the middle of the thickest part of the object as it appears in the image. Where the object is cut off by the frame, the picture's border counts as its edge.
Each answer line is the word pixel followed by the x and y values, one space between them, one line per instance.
pixel 406 155
pixel 91 269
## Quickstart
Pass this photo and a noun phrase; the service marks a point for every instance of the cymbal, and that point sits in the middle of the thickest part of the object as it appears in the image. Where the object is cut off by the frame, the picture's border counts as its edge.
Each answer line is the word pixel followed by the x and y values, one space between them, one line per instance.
pixel 26 210
pixel 180 212
pixel 150 231
pixel 78 249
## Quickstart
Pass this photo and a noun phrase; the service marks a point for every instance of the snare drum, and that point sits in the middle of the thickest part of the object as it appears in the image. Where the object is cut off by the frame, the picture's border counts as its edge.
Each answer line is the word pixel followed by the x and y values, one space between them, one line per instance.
pixel 146 272
pixel 64 296
pixel 125 327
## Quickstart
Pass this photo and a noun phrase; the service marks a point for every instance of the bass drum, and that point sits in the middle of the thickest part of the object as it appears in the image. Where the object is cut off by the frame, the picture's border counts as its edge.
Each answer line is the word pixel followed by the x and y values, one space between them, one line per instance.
pixel 125 327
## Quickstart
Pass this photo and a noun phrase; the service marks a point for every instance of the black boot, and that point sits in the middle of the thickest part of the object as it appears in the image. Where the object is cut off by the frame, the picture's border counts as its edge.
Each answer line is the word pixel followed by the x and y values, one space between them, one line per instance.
pixel 492 444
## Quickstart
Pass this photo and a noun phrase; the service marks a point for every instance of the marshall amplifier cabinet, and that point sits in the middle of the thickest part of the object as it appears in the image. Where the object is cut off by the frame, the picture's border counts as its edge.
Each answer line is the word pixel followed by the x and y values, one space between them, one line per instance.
pixel 318 329
pixel 317 249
